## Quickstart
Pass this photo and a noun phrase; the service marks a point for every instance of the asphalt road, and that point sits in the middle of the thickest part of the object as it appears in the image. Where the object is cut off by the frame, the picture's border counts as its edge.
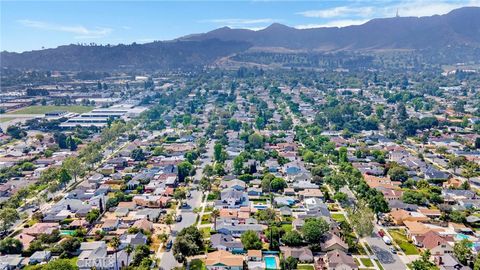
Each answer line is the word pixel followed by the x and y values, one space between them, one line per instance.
pixel 167 261
pixel 381 250
pixel 383 253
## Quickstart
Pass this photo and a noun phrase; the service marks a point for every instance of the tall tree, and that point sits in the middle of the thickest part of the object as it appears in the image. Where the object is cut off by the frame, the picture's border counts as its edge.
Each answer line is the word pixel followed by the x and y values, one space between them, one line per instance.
pixel 184 170
pixel 74 167
pixel 362 219
pixel 10 245
pixel 128 250
pixel 115 243
pixel 462 251
pixel 8 216
pixel 250 240
pixel 215 214
pixel 314 230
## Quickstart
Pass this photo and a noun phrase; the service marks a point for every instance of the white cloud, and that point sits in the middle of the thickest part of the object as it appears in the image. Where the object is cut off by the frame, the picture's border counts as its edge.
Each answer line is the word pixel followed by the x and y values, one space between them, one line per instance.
pixel 419 8
pixel 336 23
pixel 80 31
pixel 342 11
pixel 345 15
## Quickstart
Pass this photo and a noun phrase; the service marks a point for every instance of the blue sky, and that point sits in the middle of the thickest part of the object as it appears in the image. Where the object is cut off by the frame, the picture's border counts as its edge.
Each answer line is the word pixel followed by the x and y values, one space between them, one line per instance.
pixel 46 24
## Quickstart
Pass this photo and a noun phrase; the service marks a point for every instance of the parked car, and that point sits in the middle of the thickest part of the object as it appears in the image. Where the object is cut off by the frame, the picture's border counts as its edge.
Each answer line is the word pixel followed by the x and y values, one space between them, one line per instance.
pixel 169 245
pixel 179 218
pixel 381 233
pixel 393 250
pixel 387 240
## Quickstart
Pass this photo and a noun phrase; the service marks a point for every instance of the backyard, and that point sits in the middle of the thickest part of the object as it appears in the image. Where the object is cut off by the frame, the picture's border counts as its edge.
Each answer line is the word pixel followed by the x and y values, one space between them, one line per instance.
pixel 206 219
pixel 400 238
pixel 197 264
pixel 338 217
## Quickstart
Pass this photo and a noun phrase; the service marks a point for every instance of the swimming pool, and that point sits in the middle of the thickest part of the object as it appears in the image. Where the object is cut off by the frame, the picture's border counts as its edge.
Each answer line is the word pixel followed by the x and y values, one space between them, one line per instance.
pixel 67 232
pixel 270 262
pixel 461 236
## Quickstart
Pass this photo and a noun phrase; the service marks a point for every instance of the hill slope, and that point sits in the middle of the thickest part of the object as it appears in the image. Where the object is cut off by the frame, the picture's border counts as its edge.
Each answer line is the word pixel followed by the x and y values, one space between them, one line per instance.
pixel 150 56
pixel 459 28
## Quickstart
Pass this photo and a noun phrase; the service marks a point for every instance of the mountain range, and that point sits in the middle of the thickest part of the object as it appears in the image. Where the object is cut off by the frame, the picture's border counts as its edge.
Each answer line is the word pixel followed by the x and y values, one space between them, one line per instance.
pixel 460 27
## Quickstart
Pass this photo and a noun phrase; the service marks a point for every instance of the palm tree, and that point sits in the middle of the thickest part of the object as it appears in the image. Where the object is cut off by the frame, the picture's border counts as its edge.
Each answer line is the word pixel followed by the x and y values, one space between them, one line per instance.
pixel 115 243
pixel 128 250
pixel 215 214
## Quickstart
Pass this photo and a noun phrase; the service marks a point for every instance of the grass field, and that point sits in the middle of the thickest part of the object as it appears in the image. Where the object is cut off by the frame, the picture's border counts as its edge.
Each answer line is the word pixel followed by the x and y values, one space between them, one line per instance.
pixel 5 119
pixel 197 264
pixel 379 264
pixel 401 239
pixel 368 248
pixel 338 217
pixel 206 219
pixel 45 109
pixel 287 227
pixel 205 232
pixel 366 262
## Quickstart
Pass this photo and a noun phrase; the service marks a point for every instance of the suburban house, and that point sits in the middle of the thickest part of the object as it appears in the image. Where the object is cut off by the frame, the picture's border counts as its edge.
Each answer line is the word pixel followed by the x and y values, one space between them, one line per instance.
pixel 336 259
pixel 303 254
pixel 223 260
pixel 226 242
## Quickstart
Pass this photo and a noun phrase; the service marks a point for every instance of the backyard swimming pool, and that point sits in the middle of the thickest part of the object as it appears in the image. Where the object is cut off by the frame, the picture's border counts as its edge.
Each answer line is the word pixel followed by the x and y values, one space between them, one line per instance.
pixel 270 262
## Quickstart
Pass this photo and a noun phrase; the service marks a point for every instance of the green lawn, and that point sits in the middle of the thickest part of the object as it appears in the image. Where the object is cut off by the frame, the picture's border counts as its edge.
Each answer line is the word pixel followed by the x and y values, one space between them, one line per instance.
pixel 205 232
pixel 5 119
pixel 379 264
pixel 338 217
pixel 197 264
pixel 366 262
pixel 72 262
pixel 401 239
pixel 287 227
pixel 368 248
pixel 206 219
pixel 214 195
pixel 305 267
pixel 45 109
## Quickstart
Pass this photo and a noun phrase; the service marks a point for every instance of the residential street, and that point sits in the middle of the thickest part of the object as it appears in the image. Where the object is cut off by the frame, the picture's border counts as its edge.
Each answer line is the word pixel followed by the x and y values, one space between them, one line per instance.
pixel 167 260
pixel 383 253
